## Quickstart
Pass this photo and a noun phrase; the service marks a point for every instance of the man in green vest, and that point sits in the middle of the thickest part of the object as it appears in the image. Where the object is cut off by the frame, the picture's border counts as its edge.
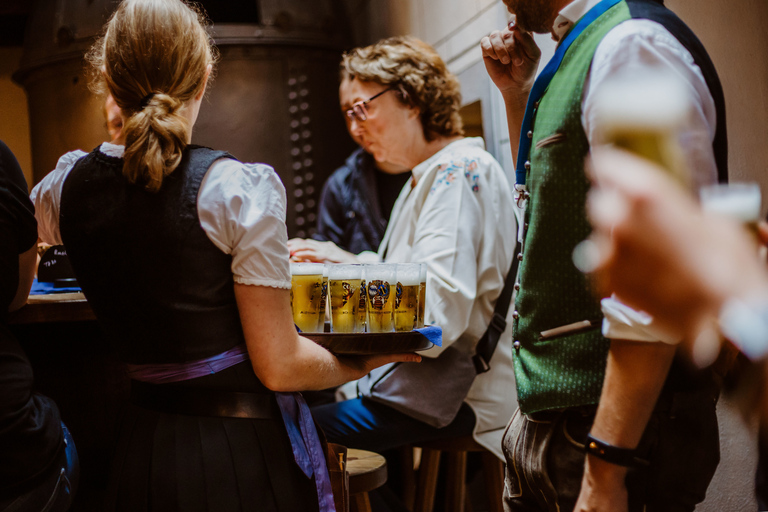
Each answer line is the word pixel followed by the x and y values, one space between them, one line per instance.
pixel 649 433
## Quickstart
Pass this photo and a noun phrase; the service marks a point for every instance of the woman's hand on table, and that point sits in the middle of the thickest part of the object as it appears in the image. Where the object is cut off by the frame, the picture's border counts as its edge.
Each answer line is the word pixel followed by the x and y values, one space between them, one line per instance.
pixel 305 249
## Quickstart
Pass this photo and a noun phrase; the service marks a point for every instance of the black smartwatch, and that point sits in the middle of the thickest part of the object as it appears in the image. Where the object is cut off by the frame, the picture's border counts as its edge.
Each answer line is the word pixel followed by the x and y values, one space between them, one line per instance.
pixel 620 456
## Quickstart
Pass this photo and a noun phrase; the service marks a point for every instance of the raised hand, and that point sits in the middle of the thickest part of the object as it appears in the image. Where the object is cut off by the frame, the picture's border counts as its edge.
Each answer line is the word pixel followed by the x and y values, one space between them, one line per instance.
pixel 511 58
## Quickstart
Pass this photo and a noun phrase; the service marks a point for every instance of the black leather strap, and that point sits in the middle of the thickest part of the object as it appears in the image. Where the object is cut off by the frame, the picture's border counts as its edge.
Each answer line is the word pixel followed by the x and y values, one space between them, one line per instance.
pixel 202 402
pixel 487 344
pixel 620 456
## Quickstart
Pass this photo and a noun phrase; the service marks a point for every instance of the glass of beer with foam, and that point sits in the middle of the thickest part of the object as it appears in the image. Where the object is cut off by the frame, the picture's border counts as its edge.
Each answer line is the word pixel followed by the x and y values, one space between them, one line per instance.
pixel 381 283
pixel 645 114
pixel 422 294
pixel 407 297
pixel 344 296
pixel 306 295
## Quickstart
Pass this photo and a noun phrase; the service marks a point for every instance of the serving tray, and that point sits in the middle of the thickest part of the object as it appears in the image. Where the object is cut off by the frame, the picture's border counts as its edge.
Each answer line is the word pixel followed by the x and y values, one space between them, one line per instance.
pixel 370 343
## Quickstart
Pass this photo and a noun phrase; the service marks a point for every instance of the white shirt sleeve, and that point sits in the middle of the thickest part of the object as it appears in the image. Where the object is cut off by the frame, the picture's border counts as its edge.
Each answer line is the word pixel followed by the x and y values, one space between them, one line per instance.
pixel 46 196
pixel 447 238
pixel 634 46
pixel 242 210
pixel 637 46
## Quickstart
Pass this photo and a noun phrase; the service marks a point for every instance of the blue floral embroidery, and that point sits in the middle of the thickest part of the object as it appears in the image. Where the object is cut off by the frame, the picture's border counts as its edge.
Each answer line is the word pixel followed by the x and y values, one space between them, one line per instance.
pixel 446 174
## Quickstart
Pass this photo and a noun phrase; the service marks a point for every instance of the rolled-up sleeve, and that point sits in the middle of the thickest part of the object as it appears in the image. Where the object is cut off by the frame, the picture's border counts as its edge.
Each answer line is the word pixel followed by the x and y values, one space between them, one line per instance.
pixel 242 210
pixel 622 322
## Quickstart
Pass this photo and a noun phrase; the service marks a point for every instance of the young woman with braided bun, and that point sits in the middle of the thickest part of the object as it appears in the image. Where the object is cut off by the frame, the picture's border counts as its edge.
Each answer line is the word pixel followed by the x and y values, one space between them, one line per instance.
pixel 181 251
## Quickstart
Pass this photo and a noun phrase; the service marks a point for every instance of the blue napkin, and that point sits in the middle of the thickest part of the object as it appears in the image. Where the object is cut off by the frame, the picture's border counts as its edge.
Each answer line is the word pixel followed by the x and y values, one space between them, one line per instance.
pixel 39 288
pixel 433 333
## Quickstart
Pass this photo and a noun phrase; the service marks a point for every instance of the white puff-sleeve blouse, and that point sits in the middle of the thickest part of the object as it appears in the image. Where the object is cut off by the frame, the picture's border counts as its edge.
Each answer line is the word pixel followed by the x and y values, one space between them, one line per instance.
pixel 241 208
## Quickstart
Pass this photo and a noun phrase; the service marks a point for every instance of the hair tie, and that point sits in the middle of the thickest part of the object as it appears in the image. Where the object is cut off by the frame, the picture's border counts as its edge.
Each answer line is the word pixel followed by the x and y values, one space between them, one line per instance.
pixel 145 100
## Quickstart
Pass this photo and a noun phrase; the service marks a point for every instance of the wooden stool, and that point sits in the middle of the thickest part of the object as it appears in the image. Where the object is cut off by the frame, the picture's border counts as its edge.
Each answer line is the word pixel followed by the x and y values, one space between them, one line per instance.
pixel 367 471
pixel 456 487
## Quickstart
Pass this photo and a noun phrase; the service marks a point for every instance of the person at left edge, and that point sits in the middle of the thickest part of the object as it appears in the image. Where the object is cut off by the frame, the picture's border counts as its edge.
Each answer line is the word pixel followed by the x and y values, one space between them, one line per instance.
pixel 39 466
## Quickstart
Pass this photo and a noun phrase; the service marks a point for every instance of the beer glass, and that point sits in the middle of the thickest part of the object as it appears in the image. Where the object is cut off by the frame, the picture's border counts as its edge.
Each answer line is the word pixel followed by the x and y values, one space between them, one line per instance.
pixel 380 286
pixel 644 115
pixel 422 294
pixel 306 295
pixel 344 295
pixel 407 297
pixel 323 301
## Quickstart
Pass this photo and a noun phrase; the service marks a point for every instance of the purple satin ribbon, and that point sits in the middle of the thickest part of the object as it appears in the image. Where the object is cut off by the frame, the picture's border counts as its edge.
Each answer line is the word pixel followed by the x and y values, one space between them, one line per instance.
pixel 305 442
pixel 177 372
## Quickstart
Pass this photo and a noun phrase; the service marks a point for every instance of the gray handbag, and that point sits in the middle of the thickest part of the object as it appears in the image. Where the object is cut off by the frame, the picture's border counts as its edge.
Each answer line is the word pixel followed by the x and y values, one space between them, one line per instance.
pixel 431 391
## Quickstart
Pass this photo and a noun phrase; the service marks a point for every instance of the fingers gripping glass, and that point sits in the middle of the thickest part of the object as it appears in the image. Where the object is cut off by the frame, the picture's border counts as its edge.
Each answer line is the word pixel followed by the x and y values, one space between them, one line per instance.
pixel 358 110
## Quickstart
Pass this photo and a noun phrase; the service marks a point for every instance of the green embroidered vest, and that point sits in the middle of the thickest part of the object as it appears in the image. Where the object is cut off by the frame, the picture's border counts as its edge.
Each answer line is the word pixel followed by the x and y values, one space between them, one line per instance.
pixel 566 371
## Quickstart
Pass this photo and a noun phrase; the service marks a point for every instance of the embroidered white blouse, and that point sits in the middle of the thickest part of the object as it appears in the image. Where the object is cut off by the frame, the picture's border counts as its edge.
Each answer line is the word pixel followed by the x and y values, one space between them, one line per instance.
pixel 456 214
pixel 241 209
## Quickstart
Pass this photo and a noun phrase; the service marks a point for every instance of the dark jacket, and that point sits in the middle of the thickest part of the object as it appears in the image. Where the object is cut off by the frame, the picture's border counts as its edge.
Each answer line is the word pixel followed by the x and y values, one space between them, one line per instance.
pixel 349 214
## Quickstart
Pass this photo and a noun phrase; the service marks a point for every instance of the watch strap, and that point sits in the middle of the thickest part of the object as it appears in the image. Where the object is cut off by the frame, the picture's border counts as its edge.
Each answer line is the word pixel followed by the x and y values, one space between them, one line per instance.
pixel 620 456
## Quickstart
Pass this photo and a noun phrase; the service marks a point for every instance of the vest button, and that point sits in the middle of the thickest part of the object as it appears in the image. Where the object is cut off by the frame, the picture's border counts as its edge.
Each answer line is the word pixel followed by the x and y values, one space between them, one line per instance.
pixel 527 165
pixel 519 257
pixel 530 134
pixel 517 287
pixel 515 315
pixel 516 344
pixel 535 104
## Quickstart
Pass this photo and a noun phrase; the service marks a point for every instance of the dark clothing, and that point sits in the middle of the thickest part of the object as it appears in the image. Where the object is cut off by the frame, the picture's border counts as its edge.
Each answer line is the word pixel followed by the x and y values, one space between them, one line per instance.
pixel 174 284
pixel 30 427
pixel 368 425
pixel 356 203
pixel 165 293
pixel 680 441
pixel 193 463
pixel 56 490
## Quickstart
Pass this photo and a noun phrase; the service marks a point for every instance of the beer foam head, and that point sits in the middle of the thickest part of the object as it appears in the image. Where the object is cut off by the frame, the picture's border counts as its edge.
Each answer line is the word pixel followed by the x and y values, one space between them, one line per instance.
pixel 423 272
pixel 381 271
pixel 740 201
pixel 307 269
pixel 408 274
pixel 642 101
pixel 340 272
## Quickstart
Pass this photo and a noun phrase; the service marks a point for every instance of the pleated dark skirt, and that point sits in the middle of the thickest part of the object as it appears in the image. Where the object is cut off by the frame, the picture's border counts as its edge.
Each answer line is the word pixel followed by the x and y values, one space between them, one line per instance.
pixel 171 462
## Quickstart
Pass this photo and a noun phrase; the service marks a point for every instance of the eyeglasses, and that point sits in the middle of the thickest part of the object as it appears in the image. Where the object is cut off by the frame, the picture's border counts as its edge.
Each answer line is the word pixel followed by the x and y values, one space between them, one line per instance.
pixel 358 110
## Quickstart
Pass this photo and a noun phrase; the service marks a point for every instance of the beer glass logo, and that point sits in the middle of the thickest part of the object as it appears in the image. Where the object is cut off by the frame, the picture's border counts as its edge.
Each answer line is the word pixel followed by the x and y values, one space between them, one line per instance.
pixel 315 288
pixel 378 293
pixel 347 293
pixel 324 290
pixel 398 294
pixel 361 304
